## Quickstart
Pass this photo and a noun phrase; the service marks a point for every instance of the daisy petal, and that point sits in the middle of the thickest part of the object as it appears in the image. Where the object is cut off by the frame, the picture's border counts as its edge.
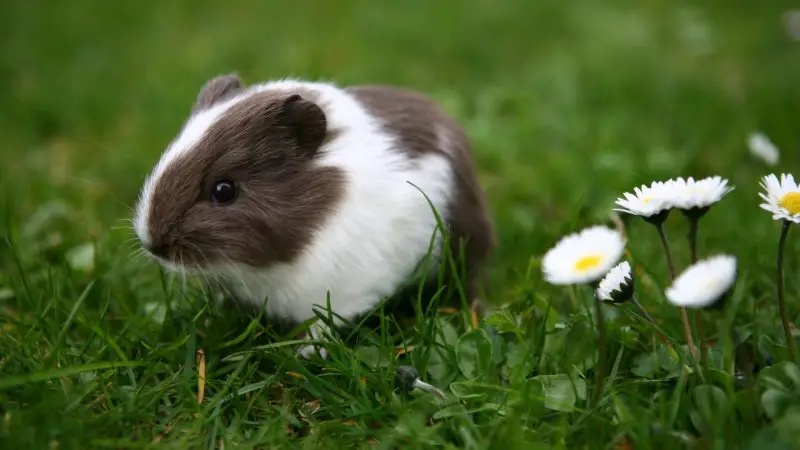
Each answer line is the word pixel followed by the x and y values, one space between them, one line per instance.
pixel 646 201
pixel 704 283
pixel 782 198
pixel 690 193
pixel 583 257
pixel 761 147
pixel 617 285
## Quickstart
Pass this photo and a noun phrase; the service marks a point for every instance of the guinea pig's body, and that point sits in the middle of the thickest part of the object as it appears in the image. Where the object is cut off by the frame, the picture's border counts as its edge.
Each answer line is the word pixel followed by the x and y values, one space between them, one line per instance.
pixel 291 192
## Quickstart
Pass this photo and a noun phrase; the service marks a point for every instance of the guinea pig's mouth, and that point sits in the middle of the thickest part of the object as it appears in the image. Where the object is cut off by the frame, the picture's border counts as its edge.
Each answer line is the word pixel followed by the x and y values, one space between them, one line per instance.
pixel 172 266
pixel 173 262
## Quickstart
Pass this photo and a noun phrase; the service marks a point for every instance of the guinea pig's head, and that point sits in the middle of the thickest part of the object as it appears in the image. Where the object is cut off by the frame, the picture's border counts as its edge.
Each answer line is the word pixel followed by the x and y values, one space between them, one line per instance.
pixel 241 184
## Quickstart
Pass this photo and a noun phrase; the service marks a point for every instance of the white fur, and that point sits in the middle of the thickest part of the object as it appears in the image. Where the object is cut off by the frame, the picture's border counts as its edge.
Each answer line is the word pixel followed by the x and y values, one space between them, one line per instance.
pixel 373 241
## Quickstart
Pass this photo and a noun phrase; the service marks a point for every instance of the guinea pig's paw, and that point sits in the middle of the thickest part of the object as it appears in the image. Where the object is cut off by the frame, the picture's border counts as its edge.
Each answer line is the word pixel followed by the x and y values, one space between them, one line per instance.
pixel 220 300
pixel 307 351
pixel 317 332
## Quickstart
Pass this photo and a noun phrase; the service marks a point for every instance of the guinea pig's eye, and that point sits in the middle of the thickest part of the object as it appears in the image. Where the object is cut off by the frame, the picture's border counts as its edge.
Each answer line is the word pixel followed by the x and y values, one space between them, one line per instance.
pixel 223 192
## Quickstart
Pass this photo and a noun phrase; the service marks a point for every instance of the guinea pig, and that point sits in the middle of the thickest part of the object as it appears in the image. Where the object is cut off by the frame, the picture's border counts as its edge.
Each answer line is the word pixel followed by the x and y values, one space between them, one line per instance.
pixel 291 192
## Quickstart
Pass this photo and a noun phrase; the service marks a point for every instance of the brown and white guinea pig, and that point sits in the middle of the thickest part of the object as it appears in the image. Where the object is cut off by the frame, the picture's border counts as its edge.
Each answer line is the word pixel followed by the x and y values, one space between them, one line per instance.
pixel 289 190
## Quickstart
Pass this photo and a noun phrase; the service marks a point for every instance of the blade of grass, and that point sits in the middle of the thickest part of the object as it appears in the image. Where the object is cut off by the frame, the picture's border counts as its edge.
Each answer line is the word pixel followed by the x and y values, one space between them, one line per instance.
pixel 66 371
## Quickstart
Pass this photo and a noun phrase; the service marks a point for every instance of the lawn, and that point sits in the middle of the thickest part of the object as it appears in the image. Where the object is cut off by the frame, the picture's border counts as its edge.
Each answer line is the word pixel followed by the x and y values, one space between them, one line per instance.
pixel 568 105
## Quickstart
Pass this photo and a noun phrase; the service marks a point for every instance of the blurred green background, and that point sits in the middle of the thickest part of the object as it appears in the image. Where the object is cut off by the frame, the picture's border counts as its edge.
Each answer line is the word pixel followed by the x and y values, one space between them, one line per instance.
pixel 568 105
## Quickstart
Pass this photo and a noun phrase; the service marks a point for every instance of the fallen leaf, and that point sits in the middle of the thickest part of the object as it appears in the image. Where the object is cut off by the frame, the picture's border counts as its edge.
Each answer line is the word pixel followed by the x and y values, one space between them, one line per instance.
pixel 201 375
pixel 310 408
pixel 403 350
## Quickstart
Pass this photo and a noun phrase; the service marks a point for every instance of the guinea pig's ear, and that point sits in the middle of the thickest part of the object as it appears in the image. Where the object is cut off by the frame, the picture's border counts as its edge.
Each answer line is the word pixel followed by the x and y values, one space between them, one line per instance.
pixel 307 122
pixel 216 89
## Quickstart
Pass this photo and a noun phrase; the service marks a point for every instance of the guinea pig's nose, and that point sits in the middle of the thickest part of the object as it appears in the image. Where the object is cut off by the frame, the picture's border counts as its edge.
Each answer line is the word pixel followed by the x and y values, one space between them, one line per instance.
pixel 158 249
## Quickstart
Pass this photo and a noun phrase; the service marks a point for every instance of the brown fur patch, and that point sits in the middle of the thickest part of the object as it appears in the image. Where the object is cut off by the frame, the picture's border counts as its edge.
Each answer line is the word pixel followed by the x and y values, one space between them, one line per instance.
pixel 266 145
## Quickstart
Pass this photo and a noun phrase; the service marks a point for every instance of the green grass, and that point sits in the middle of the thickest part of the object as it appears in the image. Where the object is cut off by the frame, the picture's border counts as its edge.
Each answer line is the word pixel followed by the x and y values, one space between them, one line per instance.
pixel 568 106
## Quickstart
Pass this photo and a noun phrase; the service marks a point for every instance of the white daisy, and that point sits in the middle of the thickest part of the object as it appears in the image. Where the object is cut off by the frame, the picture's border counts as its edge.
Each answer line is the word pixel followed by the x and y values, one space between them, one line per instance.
pixel 782 197
pixel 647 201
pixel 791 21
pixel 690 193
pixel 761 147
pixel 617 285
pixel 703 283
pixel 583 257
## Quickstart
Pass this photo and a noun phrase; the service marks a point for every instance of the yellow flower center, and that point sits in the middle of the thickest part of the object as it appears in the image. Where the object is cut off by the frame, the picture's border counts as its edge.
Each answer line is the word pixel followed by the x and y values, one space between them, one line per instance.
pixel 588 263
pixel 646 200
pixel 791 202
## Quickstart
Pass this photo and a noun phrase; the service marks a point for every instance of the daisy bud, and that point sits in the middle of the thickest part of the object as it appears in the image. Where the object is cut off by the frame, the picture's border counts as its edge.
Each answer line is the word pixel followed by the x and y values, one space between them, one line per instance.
pixel 404 377
pixel 407 379
pixel 617 285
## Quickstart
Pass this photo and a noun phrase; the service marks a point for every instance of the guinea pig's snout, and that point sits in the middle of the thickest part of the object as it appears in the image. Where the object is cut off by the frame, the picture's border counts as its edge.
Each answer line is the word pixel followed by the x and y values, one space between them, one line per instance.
pixel 160 249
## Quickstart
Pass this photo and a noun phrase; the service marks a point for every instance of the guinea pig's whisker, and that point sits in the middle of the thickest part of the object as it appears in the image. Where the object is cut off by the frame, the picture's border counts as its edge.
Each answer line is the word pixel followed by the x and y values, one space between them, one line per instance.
pixel 126 220
pixel 182 273
pixel 131 244
pixel 134 252
pixel 199 251
pixel 237 275
pixel 202 288
pixel 185 274
pixel 104 188
pixel 206 283
pixel 140 256
pixel 137 261
pixel 203 273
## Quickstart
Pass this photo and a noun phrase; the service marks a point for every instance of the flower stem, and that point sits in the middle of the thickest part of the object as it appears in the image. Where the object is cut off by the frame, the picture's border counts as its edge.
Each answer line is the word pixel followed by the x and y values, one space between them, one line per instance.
pixel 694 225
pixel 698 322
pixel 600 368
pixel 781 301
pixel 642 311
pixel 665 244
pixel 687 330
pixel 650 319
